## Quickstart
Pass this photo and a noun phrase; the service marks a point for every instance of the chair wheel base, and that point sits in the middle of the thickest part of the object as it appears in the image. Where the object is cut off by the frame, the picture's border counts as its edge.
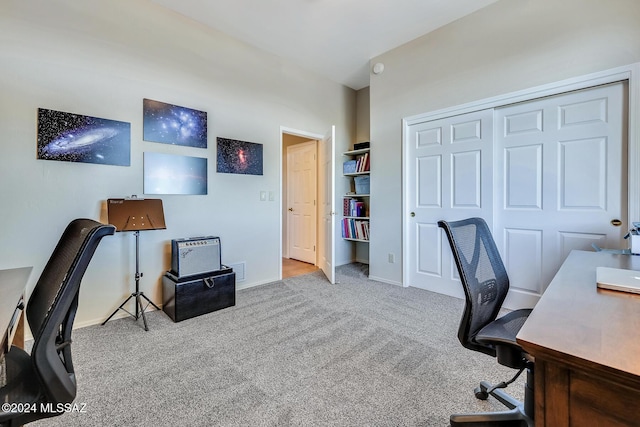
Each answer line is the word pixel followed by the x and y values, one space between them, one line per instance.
pixel 512 418
pixel 481 393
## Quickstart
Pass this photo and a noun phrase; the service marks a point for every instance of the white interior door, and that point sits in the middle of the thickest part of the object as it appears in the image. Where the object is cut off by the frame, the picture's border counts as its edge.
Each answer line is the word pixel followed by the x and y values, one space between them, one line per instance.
pixel 326 192
pixel 301 198
pixel 562 180
pixel 450 177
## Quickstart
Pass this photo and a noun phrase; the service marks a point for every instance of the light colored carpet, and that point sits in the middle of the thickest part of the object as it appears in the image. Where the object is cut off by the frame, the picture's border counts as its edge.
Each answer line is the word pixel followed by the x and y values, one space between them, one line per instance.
pixel 298 352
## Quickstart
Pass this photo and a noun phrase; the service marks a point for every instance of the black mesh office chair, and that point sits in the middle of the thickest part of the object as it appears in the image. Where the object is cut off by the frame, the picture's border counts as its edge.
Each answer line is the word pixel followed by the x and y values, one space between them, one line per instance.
pixel 46 376
pixel 485 283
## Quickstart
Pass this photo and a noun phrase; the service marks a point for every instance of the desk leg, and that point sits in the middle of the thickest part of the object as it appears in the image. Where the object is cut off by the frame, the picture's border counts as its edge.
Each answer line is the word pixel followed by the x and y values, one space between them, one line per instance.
pixel 552 394
pixel 18 338
pixel 539 392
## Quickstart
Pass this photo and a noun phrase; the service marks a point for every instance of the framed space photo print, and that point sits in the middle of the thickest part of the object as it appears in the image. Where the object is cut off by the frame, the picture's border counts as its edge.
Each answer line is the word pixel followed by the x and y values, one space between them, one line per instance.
pixel 172 124
pixel 171 174
pixel 239 157
pixel 76 138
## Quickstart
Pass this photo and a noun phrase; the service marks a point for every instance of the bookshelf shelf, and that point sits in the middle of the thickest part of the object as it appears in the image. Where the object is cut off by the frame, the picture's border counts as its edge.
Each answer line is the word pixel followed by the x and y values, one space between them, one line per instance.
pixel 356 240
pixel 356 152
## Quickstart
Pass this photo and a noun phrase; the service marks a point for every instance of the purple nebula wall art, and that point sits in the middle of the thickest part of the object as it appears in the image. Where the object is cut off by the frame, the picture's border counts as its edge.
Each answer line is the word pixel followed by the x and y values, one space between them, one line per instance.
pixel 239 157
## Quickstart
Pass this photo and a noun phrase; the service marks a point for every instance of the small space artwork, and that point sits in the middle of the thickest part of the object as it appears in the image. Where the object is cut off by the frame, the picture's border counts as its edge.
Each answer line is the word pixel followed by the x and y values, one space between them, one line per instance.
pixel 239 157
pixel 172 124
pixel 76 138
pixel 171 174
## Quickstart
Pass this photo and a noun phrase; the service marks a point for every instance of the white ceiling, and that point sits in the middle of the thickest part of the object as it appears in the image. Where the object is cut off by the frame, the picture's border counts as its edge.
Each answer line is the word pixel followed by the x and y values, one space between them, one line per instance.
pixel 336 38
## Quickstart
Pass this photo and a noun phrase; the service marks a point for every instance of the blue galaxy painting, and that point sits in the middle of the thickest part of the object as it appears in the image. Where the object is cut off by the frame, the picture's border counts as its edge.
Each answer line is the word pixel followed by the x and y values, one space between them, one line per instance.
pixel 76 138
pixel 171 174
pixel 171 124
pixel 239 157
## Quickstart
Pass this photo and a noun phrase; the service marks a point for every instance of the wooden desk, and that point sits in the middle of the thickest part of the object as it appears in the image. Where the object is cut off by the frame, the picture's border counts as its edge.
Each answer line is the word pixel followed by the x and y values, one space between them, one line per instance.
pixel 586 344
pixel 12 286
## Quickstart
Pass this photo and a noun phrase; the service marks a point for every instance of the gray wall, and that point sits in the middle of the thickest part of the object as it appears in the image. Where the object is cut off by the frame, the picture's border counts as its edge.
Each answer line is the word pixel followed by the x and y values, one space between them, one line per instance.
pixel 101 59
pixel 508 46
pixel 360 251
pixel 363 115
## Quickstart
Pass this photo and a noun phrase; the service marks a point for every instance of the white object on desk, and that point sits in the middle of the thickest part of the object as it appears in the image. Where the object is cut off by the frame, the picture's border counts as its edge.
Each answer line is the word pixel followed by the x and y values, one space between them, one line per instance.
pixel 635 243
pixel 618 279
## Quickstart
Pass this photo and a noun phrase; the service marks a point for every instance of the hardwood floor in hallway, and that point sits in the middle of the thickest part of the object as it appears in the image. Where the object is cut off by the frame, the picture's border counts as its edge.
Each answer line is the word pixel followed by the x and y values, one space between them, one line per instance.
pixel 292 267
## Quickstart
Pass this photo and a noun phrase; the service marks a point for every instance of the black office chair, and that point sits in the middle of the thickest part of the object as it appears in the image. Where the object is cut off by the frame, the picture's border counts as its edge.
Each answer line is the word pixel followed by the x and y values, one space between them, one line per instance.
pixel 485 283
pixel 38 383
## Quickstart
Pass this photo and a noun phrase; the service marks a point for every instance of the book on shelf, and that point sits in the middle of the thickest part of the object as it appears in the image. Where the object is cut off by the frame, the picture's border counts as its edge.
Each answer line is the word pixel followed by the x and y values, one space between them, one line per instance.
pixel 355 229
pixel 362 163
pixel 353 207
pixel 357 208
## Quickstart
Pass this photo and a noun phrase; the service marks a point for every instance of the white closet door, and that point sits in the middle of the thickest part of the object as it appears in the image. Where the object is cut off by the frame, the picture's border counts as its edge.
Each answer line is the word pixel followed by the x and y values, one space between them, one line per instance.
pixel 301 197
pixel 560 183
pixel 450 165
pixel 326 192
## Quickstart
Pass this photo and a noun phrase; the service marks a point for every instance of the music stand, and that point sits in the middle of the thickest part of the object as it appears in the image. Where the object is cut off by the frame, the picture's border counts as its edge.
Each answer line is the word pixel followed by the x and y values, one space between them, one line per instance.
pixel 136 214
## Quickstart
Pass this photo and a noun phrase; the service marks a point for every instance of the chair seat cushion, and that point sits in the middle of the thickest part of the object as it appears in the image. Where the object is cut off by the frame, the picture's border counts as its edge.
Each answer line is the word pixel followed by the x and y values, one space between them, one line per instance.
pixel 21 384
pixel 504 329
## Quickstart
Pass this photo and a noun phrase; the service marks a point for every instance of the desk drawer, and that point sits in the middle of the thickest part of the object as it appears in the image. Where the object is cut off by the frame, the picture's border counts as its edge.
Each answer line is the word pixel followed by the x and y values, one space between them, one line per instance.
pixel 191 297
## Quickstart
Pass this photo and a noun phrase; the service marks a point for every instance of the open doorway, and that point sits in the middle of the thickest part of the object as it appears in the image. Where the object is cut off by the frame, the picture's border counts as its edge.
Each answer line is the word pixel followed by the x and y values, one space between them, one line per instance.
pixel 299 204
pixel 323 195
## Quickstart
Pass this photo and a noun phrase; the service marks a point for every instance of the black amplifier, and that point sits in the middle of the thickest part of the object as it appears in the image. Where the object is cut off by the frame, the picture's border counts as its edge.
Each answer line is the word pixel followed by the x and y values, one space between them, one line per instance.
pixel 195 255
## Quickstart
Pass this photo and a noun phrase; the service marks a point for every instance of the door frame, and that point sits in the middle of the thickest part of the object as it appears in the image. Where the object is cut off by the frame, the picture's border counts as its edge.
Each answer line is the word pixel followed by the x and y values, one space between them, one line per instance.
pixel 630 73
pixel 304 134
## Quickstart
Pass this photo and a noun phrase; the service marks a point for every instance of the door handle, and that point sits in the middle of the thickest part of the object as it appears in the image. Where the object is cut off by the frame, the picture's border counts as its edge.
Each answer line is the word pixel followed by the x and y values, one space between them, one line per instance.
pixel 616 222
pixel 413 214
pixel 290 209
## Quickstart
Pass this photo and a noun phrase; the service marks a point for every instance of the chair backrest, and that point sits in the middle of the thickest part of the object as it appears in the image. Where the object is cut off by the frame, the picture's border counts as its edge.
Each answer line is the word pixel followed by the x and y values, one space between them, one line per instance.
pixel 53 303
pixel 483 277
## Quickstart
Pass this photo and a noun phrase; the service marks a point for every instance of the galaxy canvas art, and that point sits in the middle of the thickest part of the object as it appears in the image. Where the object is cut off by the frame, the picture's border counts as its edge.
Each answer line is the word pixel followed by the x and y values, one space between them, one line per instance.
pixel 171 174
pixel 76 138
pixel 239 157
pixel 171 124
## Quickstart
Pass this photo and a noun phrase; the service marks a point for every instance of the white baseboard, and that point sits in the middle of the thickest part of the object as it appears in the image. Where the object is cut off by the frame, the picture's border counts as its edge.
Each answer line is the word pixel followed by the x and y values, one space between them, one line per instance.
pixel 390 282
pixel 251 285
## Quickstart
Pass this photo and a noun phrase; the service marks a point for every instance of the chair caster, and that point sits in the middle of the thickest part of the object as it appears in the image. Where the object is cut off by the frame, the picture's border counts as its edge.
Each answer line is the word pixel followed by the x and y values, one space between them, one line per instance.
pixel 481 393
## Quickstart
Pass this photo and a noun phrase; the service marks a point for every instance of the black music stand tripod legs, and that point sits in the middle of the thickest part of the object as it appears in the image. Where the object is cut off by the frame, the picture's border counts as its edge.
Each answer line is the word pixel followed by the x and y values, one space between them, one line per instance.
pixel 138 295
pixel 139 308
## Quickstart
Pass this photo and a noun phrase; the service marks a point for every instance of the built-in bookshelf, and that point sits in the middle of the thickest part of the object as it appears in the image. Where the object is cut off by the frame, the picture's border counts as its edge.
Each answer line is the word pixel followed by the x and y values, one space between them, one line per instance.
pixel 355 209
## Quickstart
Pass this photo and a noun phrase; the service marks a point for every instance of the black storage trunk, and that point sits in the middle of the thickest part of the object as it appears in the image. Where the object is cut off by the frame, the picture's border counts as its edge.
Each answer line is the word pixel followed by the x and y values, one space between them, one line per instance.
pixel 187 297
